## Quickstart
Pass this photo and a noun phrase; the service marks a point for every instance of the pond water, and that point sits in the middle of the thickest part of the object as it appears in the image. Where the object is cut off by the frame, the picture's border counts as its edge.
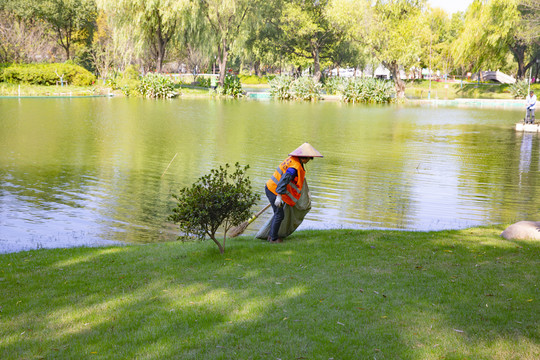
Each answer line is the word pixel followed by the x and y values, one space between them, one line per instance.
pixel 90 170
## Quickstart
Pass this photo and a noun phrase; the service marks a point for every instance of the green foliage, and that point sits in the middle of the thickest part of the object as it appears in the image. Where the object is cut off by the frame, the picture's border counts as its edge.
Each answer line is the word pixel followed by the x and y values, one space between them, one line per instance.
pixel 368 90
pixel 154 85
pixel 231 87
pixel 334 85
pixel 47 74
pixel 216 200
pixel 306 88
pixel 204 82
pixel 129 90
pixel 288 88
pixel 131 72
pixel 519 89
pixel 254 79
pixel 280 87
pixel 83 79
pixel 120 81
pixel 353 90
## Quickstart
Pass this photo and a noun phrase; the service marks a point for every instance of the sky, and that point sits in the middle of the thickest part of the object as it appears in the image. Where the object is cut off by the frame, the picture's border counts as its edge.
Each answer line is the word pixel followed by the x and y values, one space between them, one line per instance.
pixel 451 6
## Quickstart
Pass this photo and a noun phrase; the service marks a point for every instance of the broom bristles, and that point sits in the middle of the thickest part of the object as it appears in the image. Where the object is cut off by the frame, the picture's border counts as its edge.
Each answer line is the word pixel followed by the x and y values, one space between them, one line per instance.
pixel 234 232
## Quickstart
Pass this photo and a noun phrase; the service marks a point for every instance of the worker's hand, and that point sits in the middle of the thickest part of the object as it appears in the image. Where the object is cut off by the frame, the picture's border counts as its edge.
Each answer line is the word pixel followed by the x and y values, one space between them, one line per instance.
pixel 279 201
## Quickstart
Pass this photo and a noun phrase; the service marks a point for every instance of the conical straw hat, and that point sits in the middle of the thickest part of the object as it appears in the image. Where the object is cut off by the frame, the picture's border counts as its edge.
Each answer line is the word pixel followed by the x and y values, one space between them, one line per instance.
pixel 306 150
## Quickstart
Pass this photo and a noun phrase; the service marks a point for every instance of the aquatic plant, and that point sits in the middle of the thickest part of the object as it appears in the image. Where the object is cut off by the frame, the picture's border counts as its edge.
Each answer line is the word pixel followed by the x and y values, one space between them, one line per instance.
pixel 231 87
pixel 280 87
pixel 155 85
pixel 335 85
pixel 288 88
pixel 306 88
pixel 519 89
pixel 368 90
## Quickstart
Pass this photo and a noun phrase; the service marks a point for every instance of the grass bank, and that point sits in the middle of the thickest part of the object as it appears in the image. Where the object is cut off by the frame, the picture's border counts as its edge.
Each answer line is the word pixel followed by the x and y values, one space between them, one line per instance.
pixel 414 90
pixel 465 294
pixel 52 90
pixel 454 90
pixel 43 90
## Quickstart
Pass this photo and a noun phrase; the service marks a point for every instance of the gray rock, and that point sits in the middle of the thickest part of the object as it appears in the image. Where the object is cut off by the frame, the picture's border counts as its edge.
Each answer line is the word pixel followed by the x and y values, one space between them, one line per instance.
pixel 522 230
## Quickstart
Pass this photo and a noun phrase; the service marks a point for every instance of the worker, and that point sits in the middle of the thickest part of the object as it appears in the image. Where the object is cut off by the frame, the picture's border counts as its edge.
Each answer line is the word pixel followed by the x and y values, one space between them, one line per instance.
pixel 285 185
pixel 530 103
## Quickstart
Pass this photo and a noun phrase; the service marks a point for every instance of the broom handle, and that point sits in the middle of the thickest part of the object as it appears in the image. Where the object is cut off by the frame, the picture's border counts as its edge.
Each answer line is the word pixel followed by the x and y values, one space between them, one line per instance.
pixel 252 219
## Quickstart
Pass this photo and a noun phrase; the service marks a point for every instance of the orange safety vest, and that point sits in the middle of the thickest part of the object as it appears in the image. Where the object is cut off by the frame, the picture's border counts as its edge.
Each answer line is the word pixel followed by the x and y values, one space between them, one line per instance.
pixel 294 188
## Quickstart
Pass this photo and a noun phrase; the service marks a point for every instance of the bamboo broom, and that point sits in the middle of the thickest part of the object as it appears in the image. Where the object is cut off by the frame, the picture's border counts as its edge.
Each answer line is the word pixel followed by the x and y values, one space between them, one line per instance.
pixel 234 232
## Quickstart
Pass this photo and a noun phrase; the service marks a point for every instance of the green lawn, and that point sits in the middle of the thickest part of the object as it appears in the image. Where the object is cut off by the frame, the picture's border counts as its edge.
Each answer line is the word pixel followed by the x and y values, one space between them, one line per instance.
pixel 343 294
pixel 53 90
pixel 419 89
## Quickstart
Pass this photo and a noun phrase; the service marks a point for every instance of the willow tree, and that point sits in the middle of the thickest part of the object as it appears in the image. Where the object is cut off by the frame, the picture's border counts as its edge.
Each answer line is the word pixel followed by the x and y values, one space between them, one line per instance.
pixel 261 46
pixel 395 31
pixel 153 23
pixel 225 19
pixel 495 28
pixel 307 32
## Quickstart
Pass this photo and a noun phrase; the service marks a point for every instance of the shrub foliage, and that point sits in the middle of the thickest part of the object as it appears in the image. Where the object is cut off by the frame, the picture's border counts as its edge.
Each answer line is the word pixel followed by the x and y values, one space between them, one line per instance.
pixel 216 200
pixel 155 85
pixel 46 74
pixel 280 87
pixel 519 89
pixel 231 87
pixel 368 90
pixel 288 88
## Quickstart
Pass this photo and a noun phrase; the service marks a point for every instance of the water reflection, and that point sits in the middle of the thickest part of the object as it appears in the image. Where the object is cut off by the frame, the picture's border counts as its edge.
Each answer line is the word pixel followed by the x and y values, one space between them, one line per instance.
pixel 91 169
pixel 526 153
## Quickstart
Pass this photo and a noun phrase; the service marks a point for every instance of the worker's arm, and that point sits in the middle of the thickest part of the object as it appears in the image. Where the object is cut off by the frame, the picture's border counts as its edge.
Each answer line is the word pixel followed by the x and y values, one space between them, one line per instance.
pixel 289 175
pixel 282 185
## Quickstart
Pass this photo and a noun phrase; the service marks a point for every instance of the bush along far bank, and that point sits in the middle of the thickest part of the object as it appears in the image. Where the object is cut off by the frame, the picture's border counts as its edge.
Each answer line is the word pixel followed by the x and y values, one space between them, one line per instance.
pixel 156 85
pixel 46 74
pixel 353 90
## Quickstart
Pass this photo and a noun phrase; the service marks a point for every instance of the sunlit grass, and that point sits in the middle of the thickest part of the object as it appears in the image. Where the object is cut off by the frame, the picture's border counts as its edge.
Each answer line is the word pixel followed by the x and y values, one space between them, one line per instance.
pixel 52 90
pixel 465 294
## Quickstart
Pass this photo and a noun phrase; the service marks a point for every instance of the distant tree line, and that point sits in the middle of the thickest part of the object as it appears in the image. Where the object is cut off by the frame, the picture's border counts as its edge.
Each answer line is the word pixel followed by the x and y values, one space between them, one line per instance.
pixel 272 35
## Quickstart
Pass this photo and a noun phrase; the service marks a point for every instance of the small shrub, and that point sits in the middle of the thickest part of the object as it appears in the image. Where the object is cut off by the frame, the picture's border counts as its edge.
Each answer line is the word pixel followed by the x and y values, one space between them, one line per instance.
pixel 302 88
pixel 83 79
pixel 368 90
pixel 306 88
pixel 156 86
pixel 132 73
pixel 130 90
pixel 216 200
pixel 280 87
pixel 335 85
pixel 204 82
pixel 519 89
pixel 231 87
pixel 47 74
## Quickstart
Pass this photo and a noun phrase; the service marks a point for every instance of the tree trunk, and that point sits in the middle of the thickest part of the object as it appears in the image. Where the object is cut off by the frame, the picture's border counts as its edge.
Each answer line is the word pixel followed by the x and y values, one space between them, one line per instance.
pixel 64 44
pixel 220 247
pixel 257 66
pixel 316 63
pixel 223 53
pixel 518 50
pixel 160 56
pixel 399 84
